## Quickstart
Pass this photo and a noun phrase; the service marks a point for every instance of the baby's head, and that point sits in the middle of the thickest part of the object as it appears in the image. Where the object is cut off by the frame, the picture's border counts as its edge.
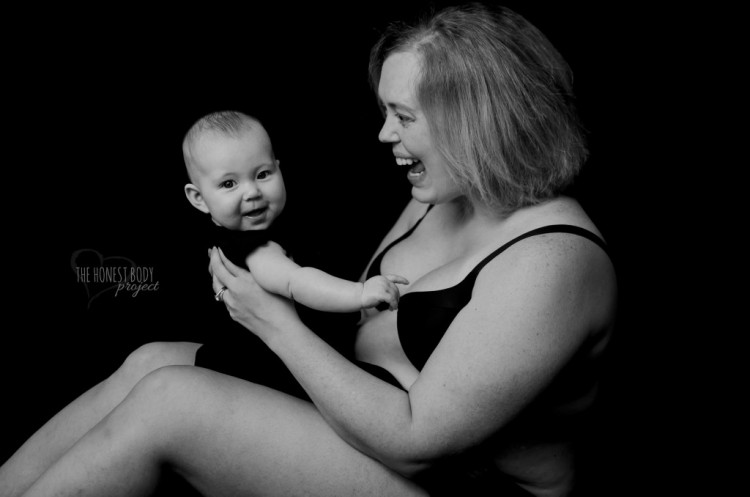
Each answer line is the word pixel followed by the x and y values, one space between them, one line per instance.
pixel 234 175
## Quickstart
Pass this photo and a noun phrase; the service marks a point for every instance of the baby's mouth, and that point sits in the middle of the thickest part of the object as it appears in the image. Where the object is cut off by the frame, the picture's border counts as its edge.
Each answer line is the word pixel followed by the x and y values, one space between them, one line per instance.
pixel 255 212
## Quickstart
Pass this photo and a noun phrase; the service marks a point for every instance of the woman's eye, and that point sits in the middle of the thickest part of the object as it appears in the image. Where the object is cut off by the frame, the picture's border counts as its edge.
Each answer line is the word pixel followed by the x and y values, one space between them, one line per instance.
pixel 403 119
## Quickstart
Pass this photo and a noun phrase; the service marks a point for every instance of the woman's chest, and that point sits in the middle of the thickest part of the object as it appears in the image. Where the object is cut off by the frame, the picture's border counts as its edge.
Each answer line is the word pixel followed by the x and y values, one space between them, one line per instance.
pixel 429 260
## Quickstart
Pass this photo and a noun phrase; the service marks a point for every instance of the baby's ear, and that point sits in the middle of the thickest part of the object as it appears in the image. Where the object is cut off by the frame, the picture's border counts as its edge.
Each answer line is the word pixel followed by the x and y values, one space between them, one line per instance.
pixel 194 196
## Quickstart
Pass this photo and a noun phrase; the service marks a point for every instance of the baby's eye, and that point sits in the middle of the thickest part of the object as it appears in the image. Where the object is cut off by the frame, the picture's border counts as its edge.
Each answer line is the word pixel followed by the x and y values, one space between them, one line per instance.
pixel 264 174
pixel 227 184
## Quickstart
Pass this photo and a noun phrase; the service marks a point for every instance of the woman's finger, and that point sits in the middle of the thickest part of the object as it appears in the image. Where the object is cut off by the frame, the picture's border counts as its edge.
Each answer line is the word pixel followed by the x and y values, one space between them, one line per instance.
pixel 216 284
pixel 219 271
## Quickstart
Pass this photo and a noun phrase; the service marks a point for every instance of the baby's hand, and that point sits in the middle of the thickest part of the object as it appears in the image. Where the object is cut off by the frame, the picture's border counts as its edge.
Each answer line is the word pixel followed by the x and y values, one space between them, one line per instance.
pixel 382 289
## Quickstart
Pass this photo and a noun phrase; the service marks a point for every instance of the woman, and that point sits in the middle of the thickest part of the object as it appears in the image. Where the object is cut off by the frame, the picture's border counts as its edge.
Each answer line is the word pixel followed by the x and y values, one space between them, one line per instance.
pixel 481 379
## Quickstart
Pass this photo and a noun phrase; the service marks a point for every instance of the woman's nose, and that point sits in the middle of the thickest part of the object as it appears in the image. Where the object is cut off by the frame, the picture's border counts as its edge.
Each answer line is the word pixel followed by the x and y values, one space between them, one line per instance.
pixel 388 132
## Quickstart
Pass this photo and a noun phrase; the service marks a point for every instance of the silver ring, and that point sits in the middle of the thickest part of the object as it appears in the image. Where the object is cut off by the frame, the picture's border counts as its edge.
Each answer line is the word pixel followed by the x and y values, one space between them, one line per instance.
pixel 220 294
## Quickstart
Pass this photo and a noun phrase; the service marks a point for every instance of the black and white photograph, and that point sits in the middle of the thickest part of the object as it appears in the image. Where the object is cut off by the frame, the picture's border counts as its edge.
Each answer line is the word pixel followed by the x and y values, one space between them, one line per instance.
pixel 388 249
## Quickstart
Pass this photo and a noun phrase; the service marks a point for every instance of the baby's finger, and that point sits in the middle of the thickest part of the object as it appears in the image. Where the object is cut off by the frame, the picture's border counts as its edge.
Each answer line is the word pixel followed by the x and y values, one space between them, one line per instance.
pixel 393 303
pixel 392 298
pixel 395 278
pixel 392 290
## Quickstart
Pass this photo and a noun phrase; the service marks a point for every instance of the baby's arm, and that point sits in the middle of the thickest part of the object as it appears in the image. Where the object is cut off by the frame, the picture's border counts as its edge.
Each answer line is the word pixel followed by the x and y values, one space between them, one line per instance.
pixel 381 289
pixel 276 273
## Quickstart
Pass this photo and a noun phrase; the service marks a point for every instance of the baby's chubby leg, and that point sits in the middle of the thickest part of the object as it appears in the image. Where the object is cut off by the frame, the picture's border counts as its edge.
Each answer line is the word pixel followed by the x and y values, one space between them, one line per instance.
pixel 61 432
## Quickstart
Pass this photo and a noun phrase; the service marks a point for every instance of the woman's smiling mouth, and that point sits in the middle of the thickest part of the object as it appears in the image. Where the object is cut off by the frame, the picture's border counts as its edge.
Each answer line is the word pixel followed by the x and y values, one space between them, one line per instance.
pixel 416 169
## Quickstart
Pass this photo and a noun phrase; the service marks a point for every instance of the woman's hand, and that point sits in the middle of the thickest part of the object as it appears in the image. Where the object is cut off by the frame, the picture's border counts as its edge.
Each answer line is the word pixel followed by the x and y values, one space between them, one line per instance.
pixel 261 312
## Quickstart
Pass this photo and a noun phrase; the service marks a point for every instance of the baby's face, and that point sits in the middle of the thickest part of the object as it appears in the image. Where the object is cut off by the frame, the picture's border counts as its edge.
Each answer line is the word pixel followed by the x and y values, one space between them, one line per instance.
pixel 239 180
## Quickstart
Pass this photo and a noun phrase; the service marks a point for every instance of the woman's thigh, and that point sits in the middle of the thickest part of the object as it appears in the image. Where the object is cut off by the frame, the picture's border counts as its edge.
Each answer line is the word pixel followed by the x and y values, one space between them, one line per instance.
pixel 227 436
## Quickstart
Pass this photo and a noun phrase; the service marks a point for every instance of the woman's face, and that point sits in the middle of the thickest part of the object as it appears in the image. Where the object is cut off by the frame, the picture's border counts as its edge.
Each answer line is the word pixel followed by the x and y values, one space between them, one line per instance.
pixel 407 130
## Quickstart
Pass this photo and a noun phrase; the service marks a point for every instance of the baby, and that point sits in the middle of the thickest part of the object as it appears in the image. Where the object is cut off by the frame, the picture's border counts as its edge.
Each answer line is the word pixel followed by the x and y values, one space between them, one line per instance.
pixel 235 178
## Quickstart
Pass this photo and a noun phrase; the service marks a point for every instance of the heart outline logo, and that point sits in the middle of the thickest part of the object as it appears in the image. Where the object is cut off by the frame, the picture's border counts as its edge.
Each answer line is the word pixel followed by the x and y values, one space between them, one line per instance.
pixel 76 256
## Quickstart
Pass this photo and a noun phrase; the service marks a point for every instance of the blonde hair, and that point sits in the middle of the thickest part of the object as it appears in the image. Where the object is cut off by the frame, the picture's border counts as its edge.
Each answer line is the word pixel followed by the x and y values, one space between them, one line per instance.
pixel 498 99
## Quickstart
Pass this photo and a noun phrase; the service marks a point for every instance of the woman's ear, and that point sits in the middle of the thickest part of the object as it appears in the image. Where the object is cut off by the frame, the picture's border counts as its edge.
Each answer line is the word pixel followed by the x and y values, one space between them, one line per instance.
pixel 194 196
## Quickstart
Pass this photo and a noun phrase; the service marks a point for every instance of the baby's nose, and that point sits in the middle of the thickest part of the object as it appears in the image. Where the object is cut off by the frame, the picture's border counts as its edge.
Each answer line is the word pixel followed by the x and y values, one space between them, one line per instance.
pixel 251 192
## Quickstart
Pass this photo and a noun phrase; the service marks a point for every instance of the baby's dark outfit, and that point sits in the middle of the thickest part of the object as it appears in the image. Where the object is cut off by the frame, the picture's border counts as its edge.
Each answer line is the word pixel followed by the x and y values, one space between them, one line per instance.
pixel 232 349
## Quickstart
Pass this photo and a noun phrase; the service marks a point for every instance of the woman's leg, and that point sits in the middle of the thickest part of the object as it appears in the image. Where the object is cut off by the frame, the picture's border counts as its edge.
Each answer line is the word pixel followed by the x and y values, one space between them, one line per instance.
pixel 226 436
pixel 53 439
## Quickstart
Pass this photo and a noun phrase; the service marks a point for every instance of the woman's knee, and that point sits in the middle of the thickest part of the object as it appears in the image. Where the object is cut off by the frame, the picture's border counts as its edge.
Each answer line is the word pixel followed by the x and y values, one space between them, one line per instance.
pixel 172 389
pixel 167 405
pixel 187 397
pixel 152 356
pixel 159 412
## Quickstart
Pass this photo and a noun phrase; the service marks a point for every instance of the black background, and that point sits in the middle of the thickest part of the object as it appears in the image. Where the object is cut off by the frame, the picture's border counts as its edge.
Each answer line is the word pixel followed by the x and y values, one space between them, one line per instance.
pixel 94 162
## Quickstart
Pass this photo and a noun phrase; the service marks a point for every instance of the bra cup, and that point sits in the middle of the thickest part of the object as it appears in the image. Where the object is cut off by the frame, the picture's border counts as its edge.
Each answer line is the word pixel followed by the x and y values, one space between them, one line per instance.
pixel 424 317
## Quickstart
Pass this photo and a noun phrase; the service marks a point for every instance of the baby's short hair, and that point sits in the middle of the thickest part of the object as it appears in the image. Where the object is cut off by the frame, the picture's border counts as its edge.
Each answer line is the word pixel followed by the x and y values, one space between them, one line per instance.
pixel 227 122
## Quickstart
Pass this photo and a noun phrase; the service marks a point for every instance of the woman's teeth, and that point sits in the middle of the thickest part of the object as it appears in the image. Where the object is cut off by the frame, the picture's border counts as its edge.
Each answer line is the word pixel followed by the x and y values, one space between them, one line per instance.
pixel 417 170
pixel 403 161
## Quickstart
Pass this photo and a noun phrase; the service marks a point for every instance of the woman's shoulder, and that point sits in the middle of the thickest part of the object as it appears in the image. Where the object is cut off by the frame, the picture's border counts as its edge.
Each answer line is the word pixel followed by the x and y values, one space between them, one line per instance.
pixel 553 263
pixel 559 234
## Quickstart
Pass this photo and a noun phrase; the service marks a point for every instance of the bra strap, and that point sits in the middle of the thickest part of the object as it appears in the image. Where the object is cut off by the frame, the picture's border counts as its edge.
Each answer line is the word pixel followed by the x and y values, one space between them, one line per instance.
pixel 375 266
pixel 552 228
pixel 411 230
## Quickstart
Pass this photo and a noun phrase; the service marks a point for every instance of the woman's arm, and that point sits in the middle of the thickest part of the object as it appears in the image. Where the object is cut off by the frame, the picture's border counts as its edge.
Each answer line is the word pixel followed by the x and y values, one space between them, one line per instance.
pixel 529 313
pixel 316 289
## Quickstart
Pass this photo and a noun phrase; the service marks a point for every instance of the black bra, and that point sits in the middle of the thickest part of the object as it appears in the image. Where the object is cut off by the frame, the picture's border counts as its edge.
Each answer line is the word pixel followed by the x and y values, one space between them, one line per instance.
pixel 424 316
